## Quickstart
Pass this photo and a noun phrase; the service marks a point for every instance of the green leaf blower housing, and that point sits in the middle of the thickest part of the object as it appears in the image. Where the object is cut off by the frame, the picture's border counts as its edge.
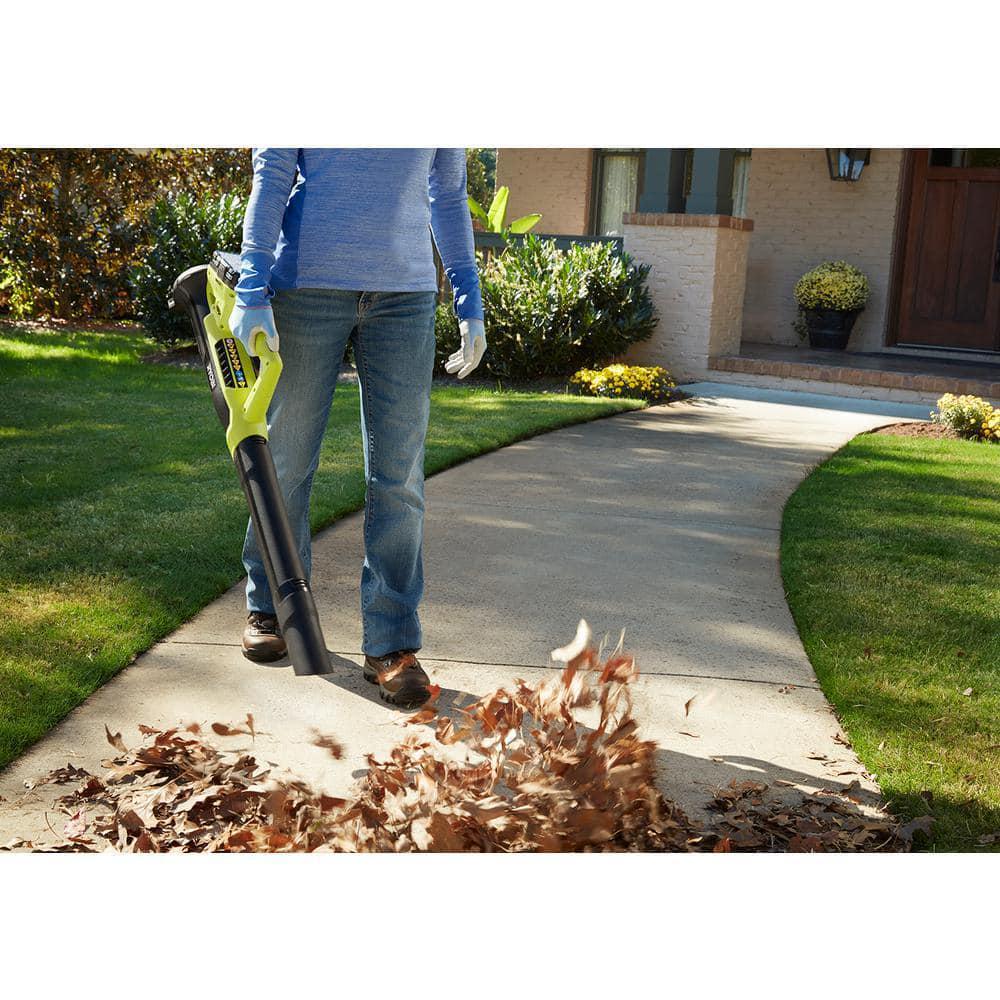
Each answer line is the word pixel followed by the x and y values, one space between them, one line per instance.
pixel 242 391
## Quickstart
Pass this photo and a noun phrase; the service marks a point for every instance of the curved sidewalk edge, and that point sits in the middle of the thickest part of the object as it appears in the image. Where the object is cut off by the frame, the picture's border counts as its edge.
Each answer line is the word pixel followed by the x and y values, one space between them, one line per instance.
pixel 663 522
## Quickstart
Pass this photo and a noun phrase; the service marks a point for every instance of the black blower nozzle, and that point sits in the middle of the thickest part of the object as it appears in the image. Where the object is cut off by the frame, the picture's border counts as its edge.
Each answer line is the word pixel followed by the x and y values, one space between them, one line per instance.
pixel 241 393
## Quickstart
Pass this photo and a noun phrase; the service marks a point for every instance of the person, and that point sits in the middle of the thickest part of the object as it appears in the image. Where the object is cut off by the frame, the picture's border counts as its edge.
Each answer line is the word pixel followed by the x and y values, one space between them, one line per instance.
pixel 336 250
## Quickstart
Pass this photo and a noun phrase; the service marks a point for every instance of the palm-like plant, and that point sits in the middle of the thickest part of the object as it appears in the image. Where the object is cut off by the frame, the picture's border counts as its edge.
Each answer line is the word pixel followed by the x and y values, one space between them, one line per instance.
pixel 493 217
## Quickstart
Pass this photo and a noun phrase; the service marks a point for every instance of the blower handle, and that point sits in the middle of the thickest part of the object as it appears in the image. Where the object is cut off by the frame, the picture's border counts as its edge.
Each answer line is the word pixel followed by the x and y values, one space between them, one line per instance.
pixel 260 394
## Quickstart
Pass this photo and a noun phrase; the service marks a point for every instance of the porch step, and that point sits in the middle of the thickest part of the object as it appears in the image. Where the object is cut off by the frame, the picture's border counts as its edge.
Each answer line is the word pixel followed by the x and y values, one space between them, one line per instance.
pixel 869 382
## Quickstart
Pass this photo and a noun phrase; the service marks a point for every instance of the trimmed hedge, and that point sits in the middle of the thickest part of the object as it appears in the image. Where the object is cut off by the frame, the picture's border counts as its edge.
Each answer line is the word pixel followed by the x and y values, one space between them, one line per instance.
pixel 73 222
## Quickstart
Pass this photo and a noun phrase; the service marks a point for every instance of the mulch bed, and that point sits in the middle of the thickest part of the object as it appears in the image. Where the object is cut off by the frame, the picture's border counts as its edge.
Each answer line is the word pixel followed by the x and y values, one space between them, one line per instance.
pixel 514 771
pixel 921 429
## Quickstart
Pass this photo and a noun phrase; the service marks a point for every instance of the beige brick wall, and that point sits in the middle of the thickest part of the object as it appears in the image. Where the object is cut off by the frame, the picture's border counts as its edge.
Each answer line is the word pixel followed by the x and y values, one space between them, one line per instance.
pixel 801 218
pixel 555 182
pixel 729 292
pixel 696 280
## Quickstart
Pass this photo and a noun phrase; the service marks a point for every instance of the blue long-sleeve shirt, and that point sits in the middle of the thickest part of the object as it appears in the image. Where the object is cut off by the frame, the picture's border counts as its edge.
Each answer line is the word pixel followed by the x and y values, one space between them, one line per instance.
pixel 359 220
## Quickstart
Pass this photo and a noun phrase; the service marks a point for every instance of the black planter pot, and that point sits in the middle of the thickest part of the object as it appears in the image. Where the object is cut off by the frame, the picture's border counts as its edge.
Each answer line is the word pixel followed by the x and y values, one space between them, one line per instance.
pixel 830 328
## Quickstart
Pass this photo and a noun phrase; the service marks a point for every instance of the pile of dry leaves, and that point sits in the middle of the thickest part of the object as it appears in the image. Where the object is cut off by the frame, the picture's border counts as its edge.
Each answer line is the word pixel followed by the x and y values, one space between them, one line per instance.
pixel 533 777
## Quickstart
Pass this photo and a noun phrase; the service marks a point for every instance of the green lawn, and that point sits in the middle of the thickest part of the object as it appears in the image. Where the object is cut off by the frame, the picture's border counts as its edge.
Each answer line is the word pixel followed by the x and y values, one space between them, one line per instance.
pixel 891 561
pixel 121 515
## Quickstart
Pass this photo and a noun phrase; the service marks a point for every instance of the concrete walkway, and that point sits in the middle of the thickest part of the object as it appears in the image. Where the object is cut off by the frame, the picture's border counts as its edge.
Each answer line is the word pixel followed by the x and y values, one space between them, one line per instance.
pixel 665 523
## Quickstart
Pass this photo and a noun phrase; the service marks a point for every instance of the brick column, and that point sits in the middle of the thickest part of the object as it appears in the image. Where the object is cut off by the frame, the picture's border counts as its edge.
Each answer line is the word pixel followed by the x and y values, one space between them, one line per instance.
pixel 697 277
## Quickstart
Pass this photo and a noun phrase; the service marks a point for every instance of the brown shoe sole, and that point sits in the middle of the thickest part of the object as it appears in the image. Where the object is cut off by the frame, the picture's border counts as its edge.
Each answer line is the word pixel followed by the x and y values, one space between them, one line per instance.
pixel 404 699
pixel 264 655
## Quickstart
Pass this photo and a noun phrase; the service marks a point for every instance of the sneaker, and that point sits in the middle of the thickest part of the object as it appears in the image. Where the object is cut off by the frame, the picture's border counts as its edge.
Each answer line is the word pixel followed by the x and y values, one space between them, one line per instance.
pixel 400 678
pixel 262 640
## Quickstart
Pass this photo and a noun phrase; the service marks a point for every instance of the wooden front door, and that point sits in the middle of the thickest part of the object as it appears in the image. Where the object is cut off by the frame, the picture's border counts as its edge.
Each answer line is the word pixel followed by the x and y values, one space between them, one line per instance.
pixel 950 288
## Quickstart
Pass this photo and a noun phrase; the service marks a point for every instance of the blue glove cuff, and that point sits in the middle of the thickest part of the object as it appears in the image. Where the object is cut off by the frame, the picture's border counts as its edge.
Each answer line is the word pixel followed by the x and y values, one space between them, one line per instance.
pixel 468 297
pixel 253 289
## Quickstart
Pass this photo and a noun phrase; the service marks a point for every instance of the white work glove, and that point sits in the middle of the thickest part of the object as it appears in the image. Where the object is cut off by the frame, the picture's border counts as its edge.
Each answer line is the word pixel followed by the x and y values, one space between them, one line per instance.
pixel 468 356
pixel 246 321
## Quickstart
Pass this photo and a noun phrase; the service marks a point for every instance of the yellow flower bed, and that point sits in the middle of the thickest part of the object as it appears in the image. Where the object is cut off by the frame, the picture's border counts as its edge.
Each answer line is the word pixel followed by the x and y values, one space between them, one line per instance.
pixel 969 417
pixel 651 383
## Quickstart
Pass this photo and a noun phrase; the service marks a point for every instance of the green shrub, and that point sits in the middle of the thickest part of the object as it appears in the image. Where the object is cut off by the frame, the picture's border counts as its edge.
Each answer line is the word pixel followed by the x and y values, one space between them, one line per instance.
pixel 446 336
pixel 480 173
pixel 550 312
pixel 15 292
pixel 651 383
pixel 968 417
pixel 834 284
pixel 183 231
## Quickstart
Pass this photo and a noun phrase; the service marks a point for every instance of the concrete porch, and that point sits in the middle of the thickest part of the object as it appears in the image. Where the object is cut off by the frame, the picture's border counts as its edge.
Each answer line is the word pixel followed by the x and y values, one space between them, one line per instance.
pixel 864 374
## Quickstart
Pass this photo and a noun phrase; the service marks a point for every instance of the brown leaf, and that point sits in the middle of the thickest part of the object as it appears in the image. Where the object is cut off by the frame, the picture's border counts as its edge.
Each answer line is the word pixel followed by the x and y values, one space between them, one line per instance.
pixel 922 824
pixel 62 776
pixel 144 844
pixel 853 791
pixel 90 788
pixel 115 739
pixel 222 729
pixel 131 822
pixel 328 743
pixel 422 717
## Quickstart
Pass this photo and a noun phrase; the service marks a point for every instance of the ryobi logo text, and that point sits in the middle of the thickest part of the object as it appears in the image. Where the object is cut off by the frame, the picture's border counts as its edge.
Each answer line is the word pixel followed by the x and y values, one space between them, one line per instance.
pixel 230 364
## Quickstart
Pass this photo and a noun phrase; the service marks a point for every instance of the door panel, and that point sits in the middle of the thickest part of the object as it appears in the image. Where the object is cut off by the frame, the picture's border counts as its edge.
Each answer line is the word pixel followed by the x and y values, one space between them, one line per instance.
pixel 950 289
pixel 976 261
pixel 932 250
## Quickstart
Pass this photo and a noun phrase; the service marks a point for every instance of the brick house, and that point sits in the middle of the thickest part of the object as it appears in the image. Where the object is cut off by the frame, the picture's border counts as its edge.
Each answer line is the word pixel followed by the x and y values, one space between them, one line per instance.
pixel 727 233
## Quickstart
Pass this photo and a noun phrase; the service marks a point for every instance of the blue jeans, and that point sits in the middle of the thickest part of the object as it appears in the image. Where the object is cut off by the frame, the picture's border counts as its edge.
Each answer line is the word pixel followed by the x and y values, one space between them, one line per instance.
pixel 393 338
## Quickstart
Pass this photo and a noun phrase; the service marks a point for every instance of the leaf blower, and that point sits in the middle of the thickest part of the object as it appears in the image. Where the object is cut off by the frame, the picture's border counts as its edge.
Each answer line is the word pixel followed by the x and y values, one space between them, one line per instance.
pixel 242 391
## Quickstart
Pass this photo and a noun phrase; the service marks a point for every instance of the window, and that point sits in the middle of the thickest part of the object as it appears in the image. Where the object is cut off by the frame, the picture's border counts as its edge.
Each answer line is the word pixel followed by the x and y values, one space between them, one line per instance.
pixel 965 158
pixel 740 185
pixel 617 185
pixel 741 181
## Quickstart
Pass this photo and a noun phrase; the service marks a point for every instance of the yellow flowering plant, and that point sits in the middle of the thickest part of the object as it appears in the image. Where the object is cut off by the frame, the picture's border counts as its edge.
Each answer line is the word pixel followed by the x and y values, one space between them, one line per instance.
pixel 834 284
pixel 968 416
pixel 991 427
pixel 651 383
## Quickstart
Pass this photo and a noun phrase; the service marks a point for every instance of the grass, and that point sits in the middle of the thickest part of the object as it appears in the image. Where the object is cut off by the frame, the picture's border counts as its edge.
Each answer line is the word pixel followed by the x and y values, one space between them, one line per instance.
pixel 121 515
pixel 891 562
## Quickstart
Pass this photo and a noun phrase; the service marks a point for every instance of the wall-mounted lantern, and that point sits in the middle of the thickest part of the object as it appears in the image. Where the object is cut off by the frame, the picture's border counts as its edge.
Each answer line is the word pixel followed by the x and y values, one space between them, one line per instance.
pixel 847 164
